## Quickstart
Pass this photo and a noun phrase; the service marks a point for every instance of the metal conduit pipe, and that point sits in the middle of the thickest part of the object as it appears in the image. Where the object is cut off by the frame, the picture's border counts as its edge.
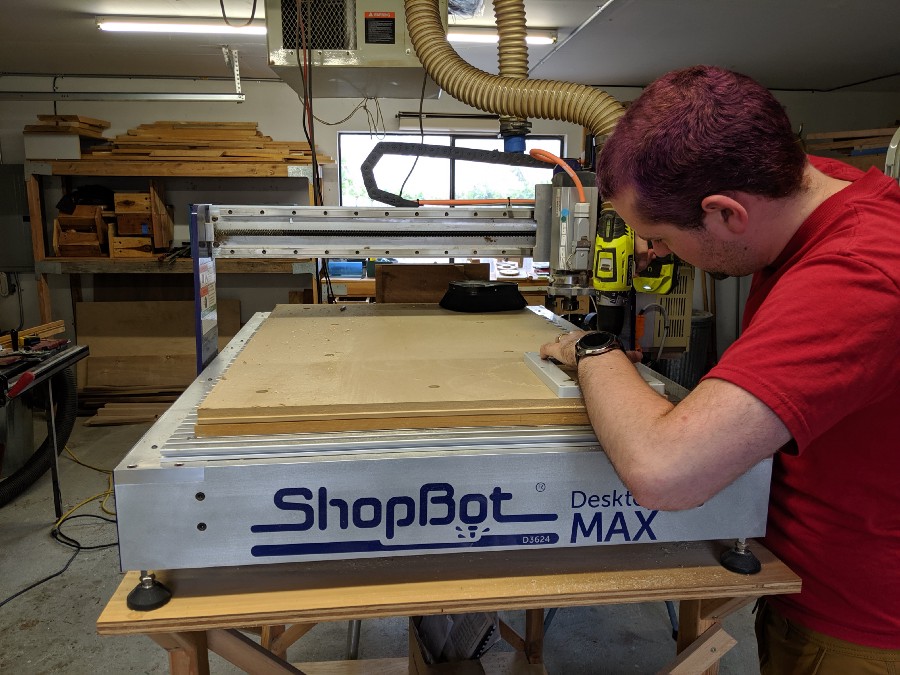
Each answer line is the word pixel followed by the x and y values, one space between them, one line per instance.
pixel 508 96
pixel 512 54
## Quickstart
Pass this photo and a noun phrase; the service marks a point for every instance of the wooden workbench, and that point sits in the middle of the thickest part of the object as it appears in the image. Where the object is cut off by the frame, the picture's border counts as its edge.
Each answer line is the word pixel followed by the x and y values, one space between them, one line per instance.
pixel 209 605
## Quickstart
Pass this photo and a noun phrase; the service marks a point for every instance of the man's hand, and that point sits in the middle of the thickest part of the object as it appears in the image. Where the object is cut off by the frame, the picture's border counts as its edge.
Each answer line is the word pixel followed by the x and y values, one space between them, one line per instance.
pixel 643 254
pixel 563 349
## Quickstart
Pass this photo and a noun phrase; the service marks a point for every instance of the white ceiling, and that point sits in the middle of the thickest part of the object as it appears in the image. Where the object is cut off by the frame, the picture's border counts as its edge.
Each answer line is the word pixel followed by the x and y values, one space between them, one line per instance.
pixel 786 44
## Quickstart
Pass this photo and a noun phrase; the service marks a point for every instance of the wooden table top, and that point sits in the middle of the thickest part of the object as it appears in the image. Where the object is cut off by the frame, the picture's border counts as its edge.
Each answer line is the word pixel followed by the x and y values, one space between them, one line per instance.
pixel 465 582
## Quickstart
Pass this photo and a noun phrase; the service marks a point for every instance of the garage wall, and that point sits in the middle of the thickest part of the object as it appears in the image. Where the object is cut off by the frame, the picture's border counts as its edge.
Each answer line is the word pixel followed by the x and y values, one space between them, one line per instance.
pixel 276 108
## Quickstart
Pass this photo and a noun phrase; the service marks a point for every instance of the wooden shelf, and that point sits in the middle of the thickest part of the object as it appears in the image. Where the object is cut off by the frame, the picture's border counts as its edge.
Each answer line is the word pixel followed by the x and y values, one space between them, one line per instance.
pixel 146 169
pixel 153 266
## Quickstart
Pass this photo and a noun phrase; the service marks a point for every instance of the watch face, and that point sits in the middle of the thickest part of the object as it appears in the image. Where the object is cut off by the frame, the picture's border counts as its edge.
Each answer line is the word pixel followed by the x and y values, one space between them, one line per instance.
pixel 596 340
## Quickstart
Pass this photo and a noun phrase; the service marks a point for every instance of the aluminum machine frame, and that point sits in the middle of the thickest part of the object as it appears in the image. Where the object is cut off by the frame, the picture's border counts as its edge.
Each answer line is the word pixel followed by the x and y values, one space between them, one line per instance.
pixel 189 502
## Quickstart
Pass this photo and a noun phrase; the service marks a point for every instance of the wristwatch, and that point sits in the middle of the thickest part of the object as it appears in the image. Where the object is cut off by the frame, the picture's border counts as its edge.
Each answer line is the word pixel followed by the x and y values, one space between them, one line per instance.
pixel 596 343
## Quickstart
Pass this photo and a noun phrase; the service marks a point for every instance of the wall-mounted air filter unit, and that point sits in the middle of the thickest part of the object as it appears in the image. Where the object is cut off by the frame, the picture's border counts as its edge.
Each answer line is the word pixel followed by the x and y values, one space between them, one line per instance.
pixel 357 47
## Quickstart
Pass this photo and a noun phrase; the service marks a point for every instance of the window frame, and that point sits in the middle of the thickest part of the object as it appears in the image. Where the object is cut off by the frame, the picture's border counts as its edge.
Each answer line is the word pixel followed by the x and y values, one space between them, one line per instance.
pixel 454 137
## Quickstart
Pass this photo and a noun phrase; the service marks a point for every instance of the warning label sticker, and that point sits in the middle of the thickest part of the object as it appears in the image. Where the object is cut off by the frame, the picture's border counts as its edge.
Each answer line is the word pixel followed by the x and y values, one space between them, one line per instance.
pixel 381 28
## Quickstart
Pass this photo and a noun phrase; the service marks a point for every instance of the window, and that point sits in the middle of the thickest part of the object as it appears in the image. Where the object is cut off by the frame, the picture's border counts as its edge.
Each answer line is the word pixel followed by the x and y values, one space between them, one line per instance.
pixel 439 178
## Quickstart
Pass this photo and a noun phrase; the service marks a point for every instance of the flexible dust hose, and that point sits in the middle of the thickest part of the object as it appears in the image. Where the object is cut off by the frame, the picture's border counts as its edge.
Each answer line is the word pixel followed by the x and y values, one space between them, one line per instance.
pixel 512 55
pixel 512 50
pixel 508 96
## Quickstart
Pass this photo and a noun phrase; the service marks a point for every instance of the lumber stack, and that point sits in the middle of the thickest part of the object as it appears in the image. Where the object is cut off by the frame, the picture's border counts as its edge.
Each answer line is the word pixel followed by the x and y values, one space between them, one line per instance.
pixel 62 136
pixel 74 125
pixel 862 148
pixel 229 142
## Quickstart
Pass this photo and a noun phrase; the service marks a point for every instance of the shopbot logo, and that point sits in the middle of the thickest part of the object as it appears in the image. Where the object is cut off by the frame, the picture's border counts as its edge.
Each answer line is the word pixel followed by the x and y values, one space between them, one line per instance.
pixel 466 521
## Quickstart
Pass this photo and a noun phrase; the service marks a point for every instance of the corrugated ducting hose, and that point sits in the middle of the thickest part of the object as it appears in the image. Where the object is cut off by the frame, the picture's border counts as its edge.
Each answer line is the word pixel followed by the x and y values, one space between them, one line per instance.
pixel 503 94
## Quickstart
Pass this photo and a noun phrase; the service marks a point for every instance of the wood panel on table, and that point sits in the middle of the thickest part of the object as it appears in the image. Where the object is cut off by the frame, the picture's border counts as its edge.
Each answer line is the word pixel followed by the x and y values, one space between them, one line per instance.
pixel 325 367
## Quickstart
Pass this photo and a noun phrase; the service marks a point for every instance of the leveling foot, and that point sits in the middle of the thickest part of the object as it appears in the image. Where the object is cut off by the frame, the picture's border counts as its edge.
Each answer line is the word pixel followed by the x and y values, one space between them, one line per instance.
pixel 148 594
pixel 740 559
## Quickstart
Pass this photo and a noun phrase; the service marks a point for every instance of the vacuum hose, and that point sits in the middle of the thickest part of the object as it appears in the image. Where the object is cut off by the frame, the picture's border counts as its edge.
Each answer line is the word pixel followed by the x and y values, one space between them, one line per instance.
pixel 512 57
pixel 504 95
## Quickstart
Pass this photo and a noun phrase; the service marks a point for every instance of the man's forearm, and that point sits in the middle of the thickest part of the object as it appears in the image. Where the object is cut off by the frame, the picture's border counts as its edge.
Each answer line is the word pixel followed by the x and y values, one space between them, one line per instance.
pixel 623 411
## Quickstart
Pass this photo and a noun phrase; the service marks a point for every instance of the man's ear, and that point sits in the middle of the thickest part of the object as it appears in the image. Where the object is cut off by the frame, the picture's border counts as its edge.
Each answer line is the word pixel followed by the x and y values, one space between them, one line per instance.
pixel 724 216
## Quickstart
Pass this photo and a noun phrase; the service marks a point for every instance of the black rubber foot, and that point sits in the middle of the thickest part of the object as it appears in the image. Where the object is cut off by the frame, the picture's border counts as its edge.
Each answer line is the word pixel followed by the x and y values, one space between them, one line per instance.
pixel 741 562
pixel 148 595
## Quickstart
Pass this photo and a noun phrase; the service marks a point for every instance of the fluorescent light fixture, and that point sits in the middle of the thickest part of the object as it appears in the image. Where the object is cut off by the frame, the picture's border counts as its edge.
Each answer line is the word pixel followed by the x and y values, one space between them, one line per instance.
pixel 146 24
pixel 489 35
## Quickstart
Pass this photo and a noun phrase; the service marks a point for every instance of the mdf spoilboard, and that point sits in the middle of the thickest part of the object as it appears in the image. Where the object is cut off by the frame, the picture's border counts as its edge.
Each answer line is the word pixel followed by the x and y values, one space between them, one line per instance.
pixel 312 368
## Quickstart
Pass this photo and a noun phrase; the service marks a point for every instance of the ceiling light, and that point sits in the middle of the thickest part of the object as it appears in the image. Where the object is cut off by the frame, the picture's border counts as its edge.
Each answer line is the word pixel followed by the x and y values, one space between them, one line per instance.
pixel 142 24
pixel 489 36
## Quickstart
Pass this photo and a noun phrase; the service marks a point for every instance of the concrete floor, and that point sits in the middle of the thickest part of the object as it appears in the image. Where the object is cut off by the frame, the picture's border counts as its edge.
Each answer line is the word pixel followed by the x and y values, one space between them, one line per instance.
pixel 51 629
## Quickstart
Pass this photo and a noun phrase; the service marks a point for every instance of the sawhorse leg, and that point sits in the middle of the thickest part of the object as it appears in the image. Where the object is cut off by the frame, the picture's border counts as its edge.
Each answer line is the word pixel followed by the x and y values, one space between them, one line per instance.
pixel 189 652
pixel 532 645
pixel 701 639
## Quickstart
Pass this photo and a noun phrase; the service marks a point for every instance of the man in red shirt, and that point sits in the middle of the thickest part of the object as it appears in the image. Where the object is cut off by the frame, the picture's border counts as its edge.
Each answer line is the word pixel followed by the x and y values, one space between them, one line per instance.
pixel 705 164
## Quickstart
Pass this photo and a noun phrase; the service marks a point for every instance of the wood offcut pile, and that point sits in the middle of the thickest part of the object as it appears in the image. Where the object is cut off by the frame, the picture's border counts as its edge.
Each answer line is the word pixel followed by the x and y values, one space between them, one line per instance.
pixel 75 125
pixel 202 142
pixel 862 148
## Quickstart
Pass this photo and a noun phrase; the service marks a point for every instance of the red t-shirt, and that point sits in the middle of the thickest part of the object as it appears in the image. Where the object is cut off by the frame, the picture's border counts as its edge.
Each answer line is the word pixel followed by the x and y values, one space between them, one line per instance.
pixel 821 347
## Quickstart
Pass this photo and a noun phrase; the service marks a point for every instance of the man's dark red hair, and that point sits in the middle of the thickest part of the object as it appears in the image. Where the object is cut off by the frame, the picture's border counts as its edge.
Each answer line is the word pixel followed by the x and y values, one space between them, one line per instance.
pixel 695 132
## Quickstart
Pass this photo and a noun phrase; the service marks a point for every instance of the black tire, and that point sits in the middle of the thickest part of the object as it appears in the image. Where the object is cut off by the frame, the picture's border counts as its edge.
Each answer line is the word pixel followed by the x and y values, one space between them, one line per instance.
pixel 65 397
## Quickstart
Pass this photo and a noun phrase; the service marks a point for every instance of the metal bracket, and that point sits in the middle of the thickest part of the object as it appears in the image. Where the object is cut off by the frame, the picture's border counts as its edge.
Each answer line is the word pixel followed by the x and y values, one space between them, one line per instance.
pixel 233 62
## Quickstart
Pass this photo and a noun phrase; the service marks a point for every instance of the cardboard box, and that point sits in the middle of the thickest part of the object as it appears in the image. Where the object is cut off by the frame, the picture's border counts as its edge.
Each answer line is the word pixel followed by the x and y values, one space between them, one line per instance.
pixel 419 666
pixel 493 663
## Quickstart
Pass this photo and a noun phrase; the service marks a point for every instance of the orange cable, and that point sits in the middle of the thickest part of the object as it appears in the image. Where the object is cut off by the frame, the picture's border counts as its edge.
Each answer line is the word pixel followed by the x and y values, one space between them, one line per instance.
pixel 550 158
pixel 451 202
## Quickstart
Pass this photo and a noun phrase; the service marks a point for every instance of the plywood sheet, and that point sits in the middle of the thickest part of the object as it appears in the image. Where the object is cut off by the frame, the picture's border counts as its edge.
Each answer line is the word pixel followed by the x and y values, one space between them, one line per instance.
pixel 144 343
pixel 324 368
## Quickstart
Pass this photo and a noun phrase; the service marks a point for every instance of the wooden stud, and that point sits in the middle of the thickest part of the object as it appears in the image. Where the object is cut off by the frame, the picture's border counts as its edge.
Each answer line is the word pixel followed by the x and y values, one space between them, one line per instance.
pixel 243 652
pixel 703 654
pixel 534 635
pixel 36 216
pixel 511 637
pixel 188 654
pixel 280 643
pixel 717 609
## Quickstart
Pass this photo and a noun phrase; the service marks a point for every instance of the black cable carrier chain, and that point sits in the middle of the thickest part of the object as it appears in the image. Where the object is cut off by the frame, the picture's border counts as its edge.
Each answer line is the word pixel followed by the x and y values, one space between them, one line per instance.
pixel 439 152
